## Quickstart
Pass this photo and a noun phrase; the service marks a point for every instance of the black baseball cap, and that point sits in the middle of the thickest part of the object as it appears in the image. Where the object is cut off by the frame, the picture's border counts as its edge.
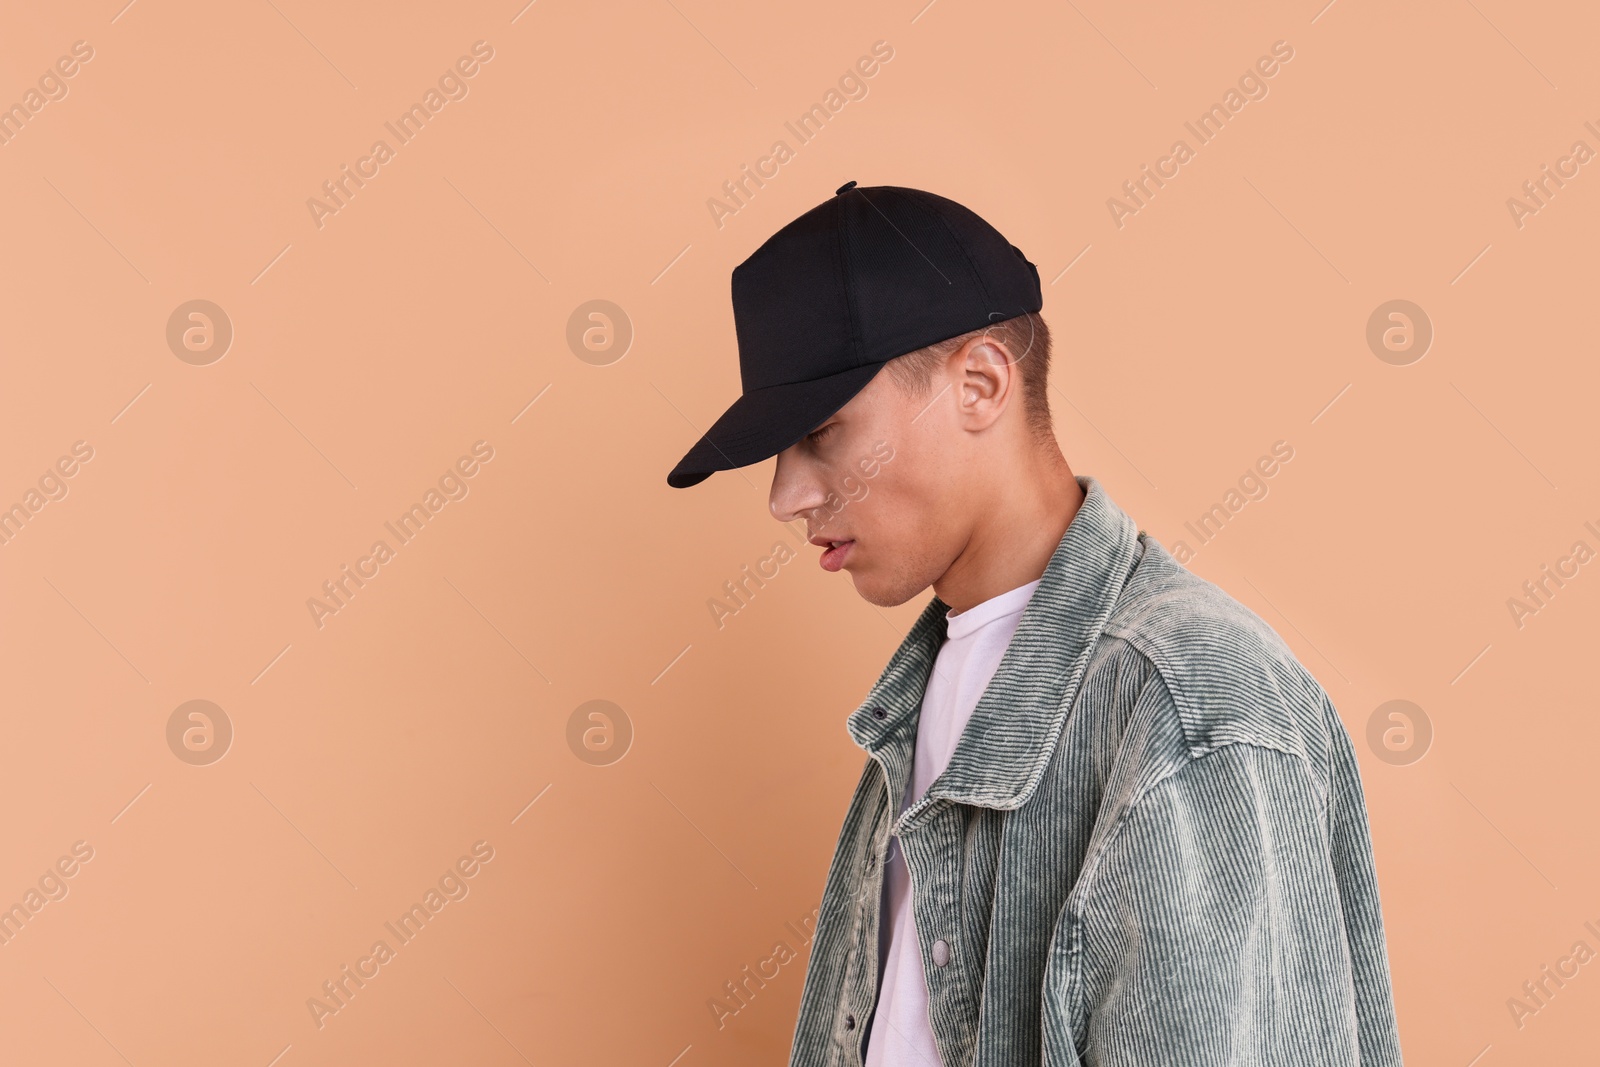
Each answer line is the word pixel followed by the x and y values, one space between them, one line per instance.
pixel 873 273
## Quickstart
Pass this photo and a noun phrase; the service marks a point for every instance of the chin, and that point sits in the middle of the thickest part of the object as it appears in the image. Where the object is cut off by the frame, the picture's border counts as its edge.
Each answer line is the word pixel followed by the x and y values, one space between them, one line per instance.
pixel 883 596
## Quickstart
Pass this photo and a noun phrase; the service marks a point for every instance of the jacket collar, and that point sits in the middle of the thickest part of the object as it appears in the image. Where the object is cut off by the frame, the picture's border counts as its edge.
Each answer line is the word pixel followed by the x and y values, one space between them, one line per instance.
pixel 1002 754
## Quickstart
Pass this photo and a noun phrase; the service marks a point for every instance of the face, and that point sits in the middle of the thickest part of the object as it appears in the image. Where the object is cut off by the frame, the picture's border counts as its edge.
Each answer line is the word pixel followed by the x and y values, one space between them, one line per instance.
pixel 883 473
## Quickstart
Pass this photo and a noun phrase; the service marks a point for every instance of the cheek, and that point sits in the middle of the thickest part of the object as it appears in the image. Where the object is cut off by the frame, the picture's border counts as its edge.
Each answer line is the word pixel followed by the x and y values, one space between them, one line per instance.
pixel 886 518
pixel 908 490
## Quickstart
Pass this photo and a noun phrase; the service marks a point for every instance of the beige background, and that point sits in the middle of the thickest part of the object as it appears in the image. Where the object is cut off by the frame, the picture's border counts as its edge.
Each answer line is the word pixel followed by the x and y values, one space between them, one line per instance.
pixel 430 312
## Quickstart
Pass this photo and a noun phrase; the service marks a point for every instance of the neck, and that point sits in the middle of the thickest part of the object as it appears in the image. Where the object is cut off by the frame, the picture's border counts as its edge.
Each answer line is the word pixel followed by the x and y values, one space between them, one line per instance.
pixel 1014 534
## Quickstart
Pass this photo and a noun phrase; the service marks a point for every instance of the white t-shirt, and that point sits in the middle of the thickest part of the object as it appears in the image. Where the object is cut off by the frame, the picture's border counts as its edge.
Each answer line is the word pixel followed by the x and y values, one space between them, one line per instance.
pixel 975 641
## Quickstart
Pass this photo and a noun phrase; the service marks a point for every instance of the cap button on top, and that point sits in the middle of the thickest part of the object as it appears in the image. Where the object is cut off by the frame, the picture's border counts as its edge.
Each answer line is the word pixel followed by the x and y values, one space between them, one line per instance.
pixel 846 187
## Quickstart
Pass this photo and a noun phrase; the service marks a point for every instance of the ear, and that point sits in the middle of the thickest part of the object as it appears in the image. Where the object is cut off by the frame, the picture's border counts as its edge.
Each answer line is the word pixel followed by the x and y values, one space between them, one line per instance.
pixel 988 378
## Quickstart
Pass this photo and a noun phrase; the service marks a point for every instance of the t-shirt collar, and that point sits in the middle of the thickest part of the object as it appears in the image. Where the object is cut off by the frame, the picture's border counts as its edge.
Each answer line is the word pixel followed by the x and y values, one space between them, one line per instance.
pixel 963 623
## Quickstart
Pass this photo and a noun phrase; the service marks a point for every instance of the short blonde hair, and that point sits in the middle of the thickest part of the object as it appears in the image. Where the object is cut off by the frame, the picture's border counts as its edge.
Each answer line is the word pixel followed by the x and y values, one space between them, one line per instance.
pixel 1026 337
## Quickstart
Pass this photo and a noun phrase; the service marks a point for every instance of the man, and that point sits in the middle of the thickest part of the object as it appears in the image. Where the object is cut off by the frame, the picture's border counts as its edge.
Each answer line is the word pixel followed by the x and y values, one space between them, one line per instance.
pixel 1106 817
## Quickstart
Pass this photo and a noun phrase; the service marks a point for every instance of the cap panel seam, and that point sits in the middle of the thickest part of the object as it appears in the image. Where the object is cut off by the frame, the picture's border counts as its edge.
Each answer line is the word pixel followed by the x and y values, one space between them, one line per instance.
pixel 983 283
pixel 841 239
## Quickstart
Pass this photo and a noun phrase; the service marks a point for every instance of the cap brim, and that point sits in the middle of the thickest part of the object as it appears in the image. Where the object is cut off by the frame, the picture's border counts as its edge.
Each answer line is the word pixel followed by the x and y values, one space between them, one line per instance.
pixel 764 422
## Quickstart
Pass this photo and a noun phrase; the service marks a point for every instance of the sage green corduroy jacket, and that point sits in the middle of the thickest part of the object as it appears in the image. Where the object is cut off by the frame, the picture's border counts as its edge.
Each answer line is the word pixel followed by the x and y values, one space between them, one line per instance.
pixel 1149 849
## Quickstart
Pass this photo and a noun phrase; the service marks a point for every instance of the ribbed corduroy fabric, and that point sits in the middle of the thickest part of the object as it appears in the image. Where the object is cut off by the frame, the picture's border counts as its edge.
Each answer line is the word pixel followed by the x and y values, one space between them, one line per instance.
pixel 1150 847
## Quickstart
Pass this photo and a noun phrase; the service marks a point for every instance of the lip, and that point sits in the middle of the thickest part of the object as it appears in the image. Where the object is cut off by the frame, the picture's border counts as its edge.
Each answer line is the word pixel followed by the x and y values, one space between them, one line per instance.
pixel 833 558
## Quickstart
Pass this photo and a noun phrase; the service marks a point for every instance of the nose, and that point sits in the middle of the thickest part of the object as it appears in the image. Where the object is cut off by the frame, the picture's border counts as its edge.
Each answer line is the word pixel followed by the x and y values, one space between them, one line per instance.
pixel 795 493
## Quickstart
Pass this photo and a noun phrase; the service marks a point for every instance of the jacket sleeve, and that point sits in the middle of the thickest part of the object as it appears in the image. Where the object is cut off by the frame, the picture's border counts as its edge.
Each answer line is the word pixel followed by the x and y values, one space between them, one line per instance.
pixel 1216 925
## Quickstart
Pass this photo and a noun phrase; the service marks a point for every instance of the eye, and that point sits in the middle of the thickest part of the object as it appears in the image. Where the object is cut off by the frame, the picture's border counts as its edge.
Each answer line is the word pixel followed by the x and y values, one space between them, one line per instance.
pixel 817 435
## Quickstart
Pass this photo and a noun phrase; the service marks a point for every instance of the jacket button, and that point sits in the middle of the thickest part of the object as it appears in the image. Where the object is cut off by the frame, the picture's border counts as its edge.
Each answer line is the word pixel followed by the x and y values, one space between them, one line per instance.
pixel 849 1022
pixel 941 953
pixel 879 714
